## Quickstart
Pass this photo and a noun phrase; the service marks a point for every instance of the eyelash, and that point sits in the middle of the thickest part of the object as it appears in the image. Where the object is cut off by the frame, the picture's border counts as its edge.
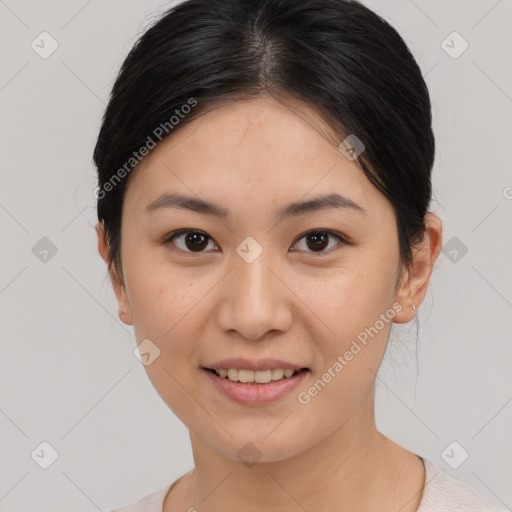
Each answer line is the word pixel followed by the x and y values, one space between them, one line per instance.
pixel 171 236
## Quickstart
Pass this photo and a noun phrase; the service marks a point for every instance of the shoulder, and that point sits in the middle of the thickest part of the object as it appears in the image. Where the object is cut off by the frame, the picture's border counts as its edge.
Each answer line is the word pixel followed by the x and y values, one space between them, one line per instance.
pixel 151 503
pixel 443 493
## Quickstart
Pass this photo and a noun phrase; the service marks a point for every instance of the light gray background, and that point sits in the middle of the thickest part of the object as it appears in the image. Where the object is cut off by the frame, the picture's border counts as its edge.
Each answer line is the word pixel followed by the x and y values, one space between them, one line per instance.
pixel 68 375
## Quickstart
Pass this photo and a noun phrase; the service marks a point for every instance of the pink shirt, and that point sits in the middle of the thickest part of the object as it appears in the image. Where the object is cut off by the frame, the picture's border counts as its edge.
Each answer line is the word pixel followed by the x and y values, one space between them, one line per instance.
pixel 441 493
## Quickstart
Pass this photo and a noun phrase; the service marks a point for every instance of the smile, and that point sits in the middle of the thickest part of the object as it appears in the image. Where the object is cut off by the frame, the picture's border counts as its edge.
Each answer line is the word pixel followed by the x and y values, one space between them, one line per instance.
pixel 250 387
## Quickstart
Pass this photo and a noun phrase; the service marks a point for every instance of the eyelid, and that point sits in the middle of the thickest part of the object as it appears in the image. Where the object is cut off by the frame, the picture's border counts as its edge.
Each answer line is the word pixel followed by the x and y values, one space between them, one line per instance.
pixel 180 231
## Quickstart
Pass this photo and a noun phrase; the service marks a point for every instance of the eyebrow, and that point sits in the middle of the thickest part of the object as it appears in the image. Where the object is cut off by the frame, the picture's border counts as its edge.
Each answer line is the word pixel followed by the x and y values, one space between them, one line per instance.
pixel 195 204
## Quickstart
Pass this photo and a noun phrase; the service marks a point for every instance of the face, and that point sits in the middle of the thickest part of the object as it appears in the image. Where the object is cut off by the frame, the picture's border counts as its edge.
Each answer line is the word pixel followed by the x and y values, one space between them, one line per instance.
pixel 283 288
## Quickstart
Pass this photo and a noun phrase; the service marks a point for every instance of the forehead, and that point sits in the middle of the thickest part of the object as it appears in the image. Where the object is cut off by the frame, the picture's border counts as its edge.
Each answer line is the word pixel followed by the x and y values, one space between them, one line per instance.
pixel 254 148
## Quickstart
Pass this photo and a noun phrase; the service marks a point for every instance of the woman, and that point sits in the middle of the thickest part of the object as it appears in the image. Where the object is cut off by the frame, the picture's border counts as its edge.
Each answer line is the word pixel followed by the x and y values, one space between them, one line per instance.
pixel 264 182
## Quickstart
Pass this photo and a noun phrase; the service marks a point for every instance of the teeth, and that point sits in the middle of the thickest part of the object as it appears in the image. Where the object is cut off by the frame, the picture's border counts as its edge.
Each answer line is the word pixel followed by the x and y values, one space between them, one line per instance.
pixel 277 374
pixel 263 376
pixel 260 376
pixel 245 375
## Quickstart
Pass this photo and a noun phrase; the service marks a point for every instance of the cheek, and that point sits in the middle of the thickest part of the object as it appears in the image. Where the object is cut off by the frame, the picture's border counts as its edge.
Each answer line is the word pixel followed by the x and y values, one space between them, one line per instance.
pixel 344 301
pixel 350 351
pixel 167 309
pixel 162 298
pixel 351 314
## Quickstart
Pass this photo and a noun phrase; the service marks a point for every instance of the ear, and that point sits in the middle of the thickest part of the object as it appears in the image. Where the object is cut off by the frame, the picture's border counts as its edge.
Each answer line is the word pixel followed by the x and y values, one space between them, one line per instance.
pixel 414 284
pixel 125 312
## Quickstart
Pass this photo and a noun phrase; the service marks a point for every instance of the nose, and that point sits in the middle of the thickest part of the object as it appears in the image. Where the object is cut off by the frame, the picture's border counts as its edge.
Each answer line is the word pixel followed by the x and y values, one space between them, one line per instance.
pixel 255 300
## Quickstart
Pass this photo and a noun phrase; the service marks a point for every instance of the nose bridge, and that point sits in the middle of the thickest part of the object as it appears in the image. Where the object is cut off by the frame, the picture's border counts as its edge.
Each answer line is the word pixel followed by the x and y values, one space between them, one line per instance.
pixel 254 299
pixel 253 259
pixel 254 279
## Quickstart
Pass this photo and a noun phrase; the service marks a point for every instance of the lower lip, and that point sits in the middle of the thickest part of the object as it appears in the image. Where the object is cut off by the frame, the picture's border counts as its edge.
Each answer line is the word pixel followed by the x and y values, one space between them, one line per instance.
pixel 255 394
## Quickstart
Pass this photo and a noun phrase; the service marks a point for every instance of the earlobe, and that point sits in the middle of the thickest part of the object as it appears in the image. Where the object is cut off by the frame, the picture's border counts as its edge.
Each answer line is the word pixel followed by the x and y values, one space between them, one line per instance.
pixel 414 288
pixel 125 317
pixel 408 308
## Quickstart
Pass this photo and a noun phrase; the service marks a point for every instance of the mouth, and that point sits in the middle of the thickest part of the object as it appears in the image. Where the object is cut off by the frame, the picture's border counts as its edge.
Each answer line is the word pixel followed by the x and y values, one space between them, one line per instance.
pixel 254 387
pixel 255 376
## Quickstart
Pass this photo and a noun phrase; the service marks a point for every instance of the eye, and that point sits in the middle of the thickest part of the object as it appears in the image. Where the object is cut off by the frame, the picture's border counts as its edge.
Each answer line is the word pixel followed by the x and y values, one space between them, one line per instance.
pixel 192 240
pixel 318 240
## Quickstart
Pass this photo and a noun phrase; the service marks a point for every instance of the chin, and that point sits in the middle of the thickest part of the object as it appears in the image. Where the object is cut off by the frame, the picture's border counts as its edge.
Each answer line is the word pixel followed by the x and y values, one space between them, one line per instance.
pixel 260 447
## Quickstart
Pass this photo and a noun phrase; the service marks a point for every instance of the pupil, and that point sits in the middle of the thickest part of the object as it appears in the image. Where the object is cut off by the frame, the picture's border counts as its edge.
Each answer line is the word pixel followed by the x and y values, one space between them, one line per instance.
pixel 197 241
pixel 320 240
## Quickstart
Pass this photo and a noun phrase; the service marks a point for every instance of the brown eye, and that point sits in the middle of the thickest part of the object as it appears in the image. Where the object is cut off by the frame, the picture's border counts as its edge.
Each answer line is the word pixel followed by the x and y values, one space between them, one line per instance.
pixel 318 240
pixel 190 240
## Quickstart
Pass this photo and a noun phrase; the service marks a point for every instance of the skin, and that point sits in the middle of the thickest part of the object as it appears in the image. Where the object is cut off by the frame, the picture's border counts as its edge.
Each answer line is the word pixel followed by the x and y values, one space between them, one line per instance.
pixel 291 303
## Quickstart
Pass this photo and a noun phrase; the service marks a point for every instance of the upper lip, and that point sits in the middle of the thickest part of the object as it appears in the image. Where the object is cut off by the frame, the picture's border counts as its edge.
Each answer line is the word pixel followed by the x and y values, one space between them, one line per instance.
pixel 246 364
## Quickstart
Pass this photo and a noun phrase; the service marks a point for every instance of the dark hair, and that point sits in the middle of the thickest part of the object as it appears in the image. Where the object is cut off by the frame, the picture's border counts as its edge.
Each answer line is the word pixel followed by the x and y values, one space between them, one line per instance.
pixel 337 56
